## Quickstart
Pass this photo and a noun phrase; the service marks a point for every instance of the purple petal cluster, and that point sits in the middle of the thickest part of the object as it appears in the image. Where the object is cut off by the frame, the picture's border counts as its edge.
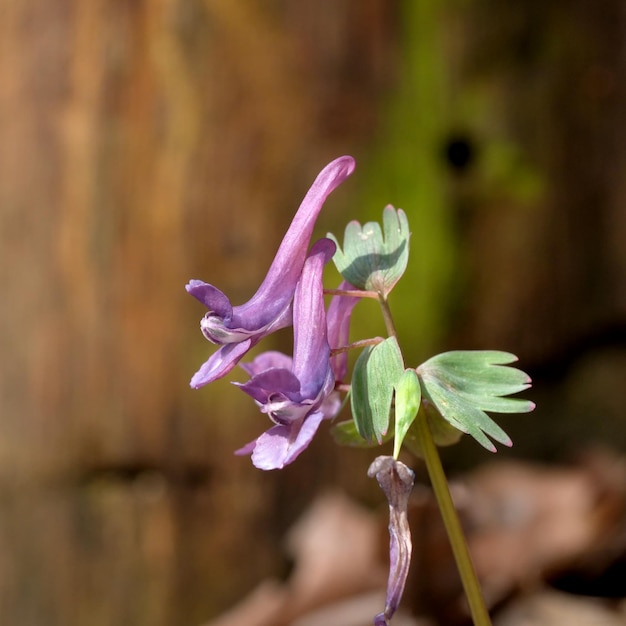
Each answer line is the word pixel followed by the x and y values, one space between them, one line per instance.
pixel 297 392
pixel 237 328
pixel 292 391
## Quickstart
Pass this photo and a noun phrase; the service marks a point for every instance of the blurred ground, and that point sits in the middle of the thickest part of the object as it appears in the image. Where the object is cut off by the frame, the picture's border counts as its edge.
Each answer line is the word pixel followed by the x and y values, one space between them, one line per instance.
pixel 548 543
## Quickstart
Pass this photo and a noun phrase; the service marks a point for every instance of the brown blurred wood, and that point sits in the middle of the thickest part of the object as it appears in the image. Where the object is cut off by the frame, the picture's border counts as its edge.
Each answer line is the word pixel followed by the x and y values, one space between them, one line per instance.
pixel 144 144
pixel 543 200
pixel 540 206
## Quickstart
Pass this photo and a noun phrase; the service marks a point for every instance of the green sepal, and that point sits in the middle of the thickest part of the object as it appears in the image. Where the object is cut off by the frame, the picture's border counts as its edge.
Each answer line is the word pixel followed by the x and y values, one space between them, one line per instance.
pixel 375 374
pixel 407 404
pixel 462 385
pixel 370 259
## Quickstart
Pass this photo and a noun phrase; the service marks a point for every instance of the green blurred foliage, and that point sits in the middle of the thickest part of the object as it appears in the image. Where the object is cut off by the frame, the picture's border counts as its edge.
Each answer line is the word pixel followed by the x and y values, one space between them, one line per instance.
pixel 406 170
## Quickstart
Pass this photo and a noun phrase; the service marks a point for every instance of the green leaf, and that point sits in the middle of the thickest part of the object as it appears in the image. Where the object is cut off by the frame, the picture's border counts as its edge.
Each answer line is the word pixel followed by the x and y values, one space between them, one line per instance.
pixel 462 385
pixel 346 434
pixel 370 260
pixel 376 372
pixel 444 434
pixel 408 398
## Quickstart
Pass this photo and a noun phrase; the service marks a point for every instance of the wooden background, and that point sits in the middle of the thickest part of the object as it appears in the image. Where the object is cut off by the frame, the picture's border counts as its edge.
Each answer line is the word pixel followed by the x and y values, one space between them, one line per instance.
pixel 147 143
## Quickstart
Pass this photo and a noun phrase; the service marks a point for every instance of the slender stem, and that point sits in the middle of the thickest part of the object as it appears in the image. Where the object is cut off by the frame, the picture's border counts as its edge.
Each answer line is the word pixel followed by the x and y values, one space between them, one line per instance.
pixel 389 325
pixel 352 293
pixel 478 609
pixel 479 612
pixel 362 343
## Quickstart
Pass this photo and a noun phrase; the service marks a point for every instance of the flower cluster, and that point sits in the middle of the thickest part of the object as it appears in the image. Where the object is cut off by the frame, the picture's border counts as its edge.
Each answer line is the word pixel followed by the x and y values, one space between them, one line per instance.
pixel 297 392
pixel 418 407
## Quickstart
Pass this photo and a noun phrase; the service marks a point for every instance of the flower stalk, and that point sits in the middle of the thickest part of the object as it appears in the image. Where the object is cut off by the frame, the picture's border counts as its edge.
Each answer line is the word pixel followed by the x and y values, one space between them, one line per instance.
pixel 452 524
pixel 386 311
pixel 451 521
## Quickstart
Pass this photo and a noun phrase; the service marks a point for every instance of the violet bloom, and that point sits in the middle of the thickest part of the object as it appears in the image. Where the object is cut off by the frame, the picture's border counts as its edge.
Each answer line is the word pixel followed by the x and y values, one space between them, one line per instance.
pixel 292 391
pixel 338 319
pixel 338 327
pixel 237 328
pixel 338 324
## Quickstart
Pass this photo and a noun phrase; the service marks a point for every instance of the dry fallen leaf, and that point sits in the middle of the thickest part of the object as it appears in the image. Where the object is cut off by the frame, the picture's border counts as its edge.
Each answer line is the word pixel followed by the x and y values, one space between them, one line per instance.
pixel 551 608
pixel 334 547
pixel 526 525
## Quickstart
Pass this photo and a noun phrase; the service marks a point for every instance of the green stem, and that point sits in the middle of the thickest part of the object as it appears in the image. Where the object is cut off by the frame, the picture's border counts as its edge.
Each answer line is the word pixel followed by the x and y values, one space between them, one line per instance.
pixel 389 325
pixel 480 615
pixel 479 612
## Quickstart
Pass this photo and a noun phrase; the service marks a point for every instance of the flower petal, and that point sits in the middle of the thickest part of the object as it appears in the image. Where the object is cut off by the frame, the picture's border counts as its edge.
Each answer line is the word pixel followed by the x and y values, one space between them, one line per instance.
pixel 338 322
pixel 221 331
pixel 220 363
pixel 275 380
pixel 284 272
pixel 331 405
pixel 311 352
pixel 305 435
pixel 212 298
pixel 281 444
pixel 247 449
pixel 267 360
pixel 270 308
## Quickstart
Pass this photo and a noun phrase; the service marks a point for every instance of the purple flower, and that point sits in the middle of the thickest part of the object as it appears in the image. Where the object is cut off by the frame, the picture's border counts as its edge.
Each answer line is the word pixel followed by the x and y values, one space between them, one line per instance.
pixel 292 392
pixel 237 328
pixel 338 327
pixel 338 319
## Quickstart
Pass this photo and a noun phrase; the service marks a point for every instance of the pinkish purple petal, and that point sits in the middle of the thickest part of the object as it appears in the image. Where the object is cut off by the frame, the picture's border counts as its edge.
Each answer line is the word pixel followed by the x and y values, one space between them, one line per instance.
pixel 270 307
pixel 247 449
pixel 267 360
pixel 338 321
pixel 220 363
pixel 212 298
pixel 284 273
pixel 281 444
pixel 271 382
pixel 311 352
pixel 331 405
pixel 298 398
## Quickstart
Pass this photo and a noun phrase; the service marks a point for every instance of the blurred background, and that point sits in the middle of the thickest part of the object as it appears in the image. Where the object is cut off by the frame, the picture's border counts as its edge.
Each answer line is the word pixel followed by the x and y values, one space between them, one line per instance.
pixel 148 143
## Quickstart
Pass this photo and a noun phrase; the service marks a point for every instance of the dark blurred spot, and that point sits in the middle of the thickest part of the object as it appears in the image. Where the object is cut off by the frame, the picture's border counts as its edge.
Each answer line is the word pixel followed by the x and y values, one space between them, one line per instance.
pixel 459 152
pixel 609 582
pixel 556 366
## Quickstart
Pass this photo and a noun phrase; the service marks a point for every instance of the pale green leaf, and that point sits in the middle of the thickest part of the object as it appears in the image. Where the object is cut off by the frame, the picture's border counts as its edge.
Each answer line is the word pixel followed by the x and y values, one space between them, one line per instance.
pixel 462 385
pixel 376 371
pixel 371 259
pixel 408 398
